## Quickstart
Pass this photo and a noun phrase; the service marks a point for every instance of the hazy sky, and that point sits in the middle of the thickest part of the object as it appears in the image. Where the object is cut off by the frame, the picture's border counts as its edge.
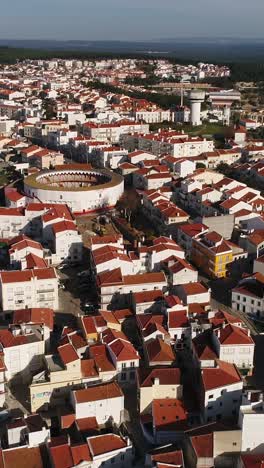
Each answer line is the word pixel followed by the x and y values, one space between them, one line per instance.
pixel 130 19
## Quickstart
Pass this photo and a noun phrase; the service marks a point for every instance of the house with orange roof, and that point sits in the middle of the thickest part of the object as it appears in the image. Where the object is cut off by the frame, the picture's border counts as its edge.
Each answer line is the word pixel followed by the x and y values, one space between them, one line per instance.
pixel 19 250
pixel 234 344
pixel 157 383
pixel 187 232
pixel 159 353
pixel 28 319
pixel 162 249
pixel 212 254
pixel 165 457
pixel 179 270
pixel 107 258
pixel 22 352
pixel 123 355
pixel 170 420
pixel 14 199
pixel 204 353
pixel 12 222
pixel 110 449
pixel 111 282
pixel 104 402
pixel 37 287
pixel 194 293
pixel 220 392
pixel 248 295
pixel 147 301
pixel 67 242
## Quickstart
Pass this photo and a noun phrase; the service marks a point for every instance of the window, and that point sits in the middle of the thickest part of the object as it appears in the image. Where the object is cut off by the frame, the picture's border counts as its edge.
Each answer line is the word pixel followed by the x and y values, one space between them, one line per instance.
pixel 113 460
pixel 122 456
pixel 123 365
pixel 210 407
pixel 211 396
pixel 123 376
pixel 244 299
pixel 238 297
pixel 252 301
pixel 132 364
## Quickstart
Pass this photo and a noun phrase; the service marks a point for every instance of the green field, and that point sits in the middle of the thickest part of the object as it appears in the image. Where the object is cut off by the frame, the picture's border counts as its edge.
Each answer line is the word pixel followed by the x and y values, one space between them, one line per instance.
pixel 209 129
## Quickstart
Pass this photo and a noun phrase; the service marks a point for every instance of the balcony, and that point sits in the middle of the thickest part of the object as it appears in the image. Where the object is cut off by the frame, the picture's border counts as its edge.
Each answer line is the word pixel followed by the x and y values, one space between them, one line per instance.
pixel 43 291
pixel 46 299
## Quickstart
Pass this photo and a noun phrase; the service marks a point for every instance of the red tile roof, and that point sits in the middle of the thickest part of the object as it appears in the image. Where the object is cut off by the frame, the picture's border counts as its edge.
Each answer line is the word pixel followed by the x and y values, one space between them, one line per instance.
pixel 27 275
pixel 24 457
pixel 34 261
pixel 173 458
pixel 232 335
pixel 203 445
pixel 159 351
pixel 221 376
pixel 63 226
pixel 170 376
pixel 105 443
pixel 88 368
pixel 98 392
pixel 194 288
pixel 61 456
pixel 86 424
pixel 143 320
pixel 123 351
pixel 67 353
pixel 35 315
pixel 169 414
pixel 80 453
pixel 178 319
pixel 148 296
pixel 251 460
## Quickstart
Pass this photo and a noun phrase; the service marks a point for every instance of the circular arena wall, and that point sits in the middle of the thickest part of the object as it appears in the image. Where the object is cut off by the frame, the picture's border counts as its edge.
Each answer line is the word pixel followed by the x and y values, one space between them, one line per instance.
pixel 82 189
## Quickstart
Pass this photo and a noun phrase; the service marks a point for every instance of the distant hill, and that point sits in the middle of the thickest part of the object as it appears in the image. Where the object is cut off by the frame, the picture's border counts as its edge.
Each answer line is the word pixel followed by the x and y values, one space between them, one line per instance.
pixel 224 49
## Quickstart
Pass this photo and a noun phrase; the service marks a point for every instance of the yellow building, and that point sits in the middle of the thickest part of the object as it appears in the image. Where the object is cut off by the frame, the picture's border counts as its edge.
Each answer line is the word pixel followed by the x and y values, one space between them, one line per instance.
pixel 211 254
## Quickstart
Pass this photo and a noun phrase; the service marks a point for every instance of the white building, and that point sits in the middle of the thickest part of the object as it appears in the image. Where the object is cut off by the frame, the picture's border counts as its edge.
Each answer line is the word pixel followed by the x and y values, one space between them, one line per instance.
pixel 234 344
pixel 158 383
pixel 221 391
pixel 19 251
pixel 247 297
pixel 104 402
pixel 23 353
pixel 123 355
pixel 113 283
pixel 110 450
pixel 67 242
pixel 12 222
pixel 29 288
pixel 251 420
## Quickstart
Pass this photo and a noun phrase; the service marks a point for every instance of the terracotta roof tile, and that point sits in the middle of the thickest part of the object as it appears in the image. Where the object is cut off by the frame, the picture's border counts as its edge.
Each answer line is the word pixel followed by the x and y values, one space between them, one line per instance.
pixel 98 392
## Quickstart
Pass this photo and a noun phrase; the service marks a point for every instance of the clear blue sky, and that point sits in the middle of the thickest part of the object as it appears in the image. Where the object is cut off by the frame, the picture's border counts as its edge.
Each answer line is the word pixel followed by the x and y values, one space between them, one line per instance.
pixel 130 19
